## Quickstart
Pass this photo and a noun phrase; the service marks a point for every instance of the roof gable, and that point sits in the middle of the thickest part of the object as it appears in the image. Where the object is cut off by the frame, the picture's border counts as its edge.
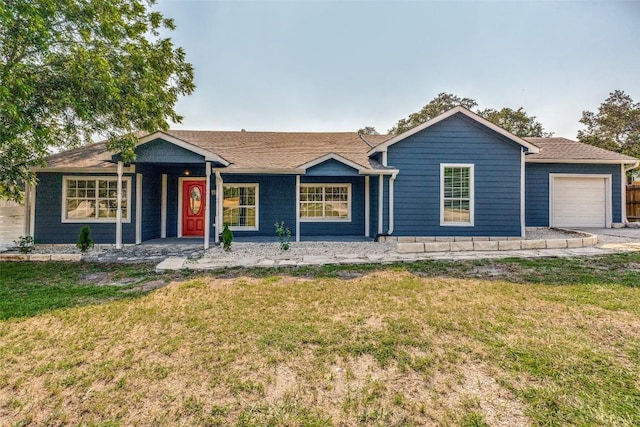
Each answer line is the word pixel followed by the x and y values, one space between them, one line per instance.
pixel 187 146
pixel 531 148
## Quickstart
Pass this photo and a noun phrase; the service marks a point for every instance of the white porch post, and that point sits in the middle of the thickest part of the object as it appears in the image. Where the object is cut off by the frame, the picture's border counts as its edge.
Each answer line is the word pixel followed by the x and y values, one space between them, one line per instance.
pixel 27 211
pixel 119 208
pixel 380 202
pixel 367 207
pixel 163 208
pixel 523 227
pixel 207 206
pixel 138 208
pixel 219 201
pixel 391 207
pixel 297 208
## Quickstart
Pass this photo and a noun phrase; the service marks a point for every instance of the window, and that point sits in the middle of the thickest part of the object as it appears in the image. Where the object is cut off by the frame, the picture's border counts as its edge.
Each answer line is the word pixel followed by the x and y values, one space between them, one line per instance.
pixel 456 195
pixel 325 202
pixel 240 206
pixel 94 199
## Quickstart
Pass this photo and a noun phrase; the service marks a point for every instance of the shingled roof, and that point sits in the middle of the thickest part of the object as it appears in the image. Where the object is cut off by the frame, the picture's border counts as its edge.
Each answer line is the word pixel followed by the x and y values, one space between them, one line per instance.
pixel 281 150
pixel 290 150
pixel 564 150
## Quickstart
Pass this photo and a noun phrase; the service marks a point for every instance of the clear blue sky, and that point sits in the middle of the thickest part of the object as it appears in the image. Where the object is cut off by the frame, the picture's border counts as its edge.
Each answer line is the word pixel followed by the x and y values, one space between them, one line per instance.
pixel 338 66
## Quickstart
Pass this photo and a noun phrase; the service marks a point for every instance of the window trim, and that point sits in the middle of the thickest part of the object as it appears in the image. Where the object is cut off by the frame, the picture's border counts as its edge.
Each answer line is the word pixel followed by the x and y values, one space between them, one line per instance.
pixel 94 220
pixel 471 221
pixel 324 185
pixel 247 185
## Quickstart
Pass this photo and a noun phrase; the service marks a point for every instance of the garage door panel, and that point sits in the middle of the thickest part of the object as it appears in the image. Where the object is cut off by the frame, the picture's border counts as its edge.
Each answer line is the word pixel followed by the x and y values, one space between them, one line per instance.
pixel 579 202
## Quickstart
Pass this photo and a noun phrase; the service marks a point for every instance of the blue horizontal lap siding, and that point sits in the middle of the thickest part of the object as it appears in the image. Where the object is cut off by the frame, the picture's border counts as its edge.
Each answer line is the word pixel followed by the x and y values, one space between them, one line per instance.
pixel 331 167
pixel 151 201
pixel 355 227
pixel 159 151
pixel 276 198
pixel 49 227
pixel 537 188
pixel 457 139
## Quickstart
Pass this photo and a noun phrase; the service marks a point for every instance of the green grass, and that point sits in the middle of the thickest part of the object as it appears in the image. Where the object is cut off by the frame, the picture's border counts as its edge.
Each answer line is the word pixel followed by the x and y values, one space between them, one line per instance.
pixel 476 343
pixel 27 289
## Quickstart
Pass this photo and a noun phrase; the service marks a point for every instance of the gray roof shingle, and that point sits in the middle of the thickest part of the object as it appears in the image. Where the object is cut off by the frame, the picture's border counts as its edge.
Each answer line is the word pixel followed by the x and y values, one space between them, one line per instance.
pixel 563 149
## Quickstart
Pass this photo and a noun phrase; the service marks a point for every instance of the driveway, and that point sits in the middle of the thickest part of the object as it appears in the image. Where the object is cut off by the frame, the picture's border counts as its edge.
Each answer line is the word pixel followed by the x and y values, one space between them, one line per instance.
pixel 615 235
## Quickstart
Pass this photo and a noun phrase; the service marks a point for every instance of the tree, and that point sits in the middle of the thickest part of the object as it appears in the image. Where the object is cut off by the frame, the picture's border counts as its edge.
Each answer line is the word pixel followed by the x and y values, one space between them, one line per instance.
pixel 368 130
pixel 515 121
pixel 616 125
pixel 75 70
pixel 438 105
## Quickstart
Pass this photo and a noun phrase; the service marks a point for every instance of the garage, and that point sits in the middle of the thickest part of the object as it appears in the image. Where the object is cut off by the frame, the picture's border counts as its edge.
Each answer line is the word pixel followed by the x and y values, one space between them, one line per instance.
pixel 580 200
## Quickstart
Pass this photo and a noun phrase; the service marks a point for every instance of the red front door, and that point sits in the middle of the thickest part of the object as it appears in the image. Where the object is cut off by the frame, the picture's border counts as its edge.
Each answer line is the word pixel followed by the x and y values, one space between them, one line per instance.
pixel 193 207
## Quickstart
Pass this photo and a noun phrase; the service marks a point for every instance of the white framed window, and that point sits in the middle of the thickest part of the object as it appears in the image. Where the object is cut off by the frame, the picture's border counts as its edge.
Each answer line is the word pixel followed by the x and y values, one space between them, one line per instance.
pixel 325 202
pixel 240 206
pixel 456 195
pixel 94 199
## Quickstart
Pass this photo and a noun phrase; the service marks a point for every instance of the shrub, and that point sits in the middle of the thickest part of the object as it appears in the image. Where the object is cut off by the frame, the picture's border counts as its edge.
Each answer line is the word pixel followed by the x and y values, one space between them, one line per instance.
pixel 227 238
pixel 84 239
pixel 25 244
pixel 284 235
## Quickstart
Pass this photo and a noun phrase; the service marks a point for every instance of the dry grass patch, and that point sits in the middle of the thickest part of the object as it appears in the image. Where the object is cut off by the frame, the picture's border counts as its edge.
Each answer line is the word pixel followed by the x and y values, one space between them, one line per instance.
pixel 388 348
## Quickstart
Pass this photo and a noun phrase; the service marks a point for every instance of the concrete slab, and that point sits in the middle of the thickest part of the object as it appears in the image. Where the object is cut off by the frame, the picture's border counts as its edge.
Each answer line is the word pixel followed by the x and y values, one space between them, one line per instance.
pixel 171 264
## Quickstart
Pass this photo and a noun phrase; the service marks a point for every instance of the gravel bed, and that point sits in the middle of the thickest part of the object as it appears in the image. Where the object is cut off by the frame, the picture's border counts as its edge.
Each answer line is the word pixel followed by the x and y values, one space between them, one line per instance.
pixel 132 253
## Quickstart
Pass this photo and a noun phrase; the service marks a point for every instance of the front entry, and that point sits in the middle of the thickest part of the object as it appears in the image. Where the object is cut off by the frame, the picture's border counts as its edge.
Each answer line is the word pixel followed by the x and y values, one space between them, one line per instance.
pixel 193 207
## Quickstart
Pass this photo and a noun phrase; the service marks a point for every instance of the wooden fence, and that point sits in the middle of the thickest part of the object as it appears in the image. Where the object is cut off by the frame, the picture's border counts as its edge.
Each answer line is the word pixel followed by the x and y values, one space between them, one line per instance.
pixel 633 202
pixel 11 221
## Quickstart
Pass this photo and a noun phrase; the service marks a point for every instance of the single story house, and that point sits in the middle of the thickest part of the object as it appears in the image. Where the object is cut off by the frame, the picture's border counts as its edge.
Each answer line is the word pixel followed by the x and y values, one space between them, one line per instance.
pixel 455 175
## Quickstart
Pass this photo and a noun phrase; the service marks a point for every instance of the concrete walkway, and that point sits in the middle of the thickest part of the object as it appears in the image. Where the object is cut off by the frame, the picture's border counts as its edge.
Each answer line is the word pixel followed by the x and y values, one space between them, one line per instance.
pixel 609 241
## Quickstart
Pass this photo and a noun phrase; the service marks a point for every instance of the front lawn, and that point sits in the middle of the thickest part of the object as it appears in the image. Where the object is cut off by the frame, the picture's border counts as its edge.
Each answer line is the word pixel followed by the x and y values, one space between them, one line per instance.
pixel 511 343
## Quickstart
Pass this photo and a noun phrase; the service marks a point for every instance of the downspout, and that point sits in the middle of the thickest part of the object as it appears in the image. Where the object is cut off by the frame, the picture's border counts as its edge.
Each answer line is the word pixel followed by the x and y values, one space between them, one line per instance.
pixel 391 207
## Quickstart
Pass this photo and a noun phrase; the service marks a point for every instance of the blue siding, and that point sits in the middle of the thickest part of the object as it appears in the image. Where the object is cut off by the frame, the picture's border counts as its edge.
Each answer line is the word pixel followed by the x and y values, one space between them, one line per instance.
pixel 151 202
pixel 537 188
pixel 159 151
pixel 276 198
pixel 331 168
pixel 49 227
pixel 354 227
pixel 457 139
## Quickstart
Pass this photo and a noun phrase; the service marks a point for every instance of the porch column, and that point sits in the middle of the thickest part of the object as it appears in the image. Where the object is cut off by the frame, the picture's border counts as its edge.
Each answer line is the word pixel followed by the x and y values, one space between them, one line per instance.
pixel 297 208
pixel 27 210
pixel 367 206
pixel 391 207
pixel 380 202
pixel 119 208
pixel 138 208
pixel 32 210
pixel 219 201
pixel 207 207
pixel 163 208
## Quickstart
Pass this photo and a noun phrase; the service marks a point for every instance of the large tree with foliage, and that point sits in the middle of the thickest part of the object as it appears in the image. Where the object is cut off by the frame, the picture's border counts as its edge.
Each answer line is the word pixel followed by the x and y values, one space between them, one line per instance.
pixel 517 121
pixel 616 125
pixel 75 70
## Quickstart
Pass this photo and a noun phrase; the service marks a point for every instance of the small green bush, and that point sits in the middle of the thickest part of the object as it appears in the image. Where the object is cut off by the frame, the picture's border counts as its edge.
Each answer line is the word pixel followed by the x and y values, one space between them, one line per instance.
pixel 284 235
pixel 25 244
pixel 227 238
pixel 84 239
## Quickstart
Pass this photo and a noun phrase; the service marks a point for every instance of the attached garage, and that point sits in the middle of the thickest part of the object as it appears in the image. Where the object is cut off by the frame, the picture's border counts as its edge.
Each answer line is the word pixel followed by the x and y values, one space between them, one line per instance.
pixel 579 200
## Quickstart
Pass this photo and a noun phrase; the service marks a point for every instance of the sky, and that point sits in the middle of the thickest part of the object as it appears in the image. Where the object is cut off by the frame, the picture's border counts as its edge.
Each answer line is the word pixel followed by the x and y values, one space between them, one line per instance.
pixel 341 65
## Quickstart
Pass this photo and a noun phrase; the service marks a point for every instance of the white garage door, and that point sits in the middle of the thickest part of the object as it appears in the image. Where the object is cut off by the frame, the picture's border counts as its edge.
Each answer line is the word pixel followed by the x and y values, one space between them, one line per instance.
pixel 579 202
